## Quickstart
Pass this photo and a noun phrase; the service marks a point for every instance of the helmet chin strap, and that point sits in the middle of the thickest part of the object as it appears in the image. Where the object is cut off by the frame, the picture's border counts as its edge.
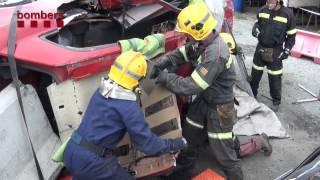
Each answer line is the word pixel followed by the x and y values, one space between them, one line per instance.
pixel 137 90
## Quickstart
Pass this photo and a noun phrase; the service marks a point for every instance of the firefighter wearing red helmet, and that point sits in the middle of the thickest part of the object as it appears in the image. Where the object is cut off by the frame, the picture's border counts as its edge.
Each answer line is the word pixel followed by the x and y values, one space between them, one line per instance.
pixel 276 31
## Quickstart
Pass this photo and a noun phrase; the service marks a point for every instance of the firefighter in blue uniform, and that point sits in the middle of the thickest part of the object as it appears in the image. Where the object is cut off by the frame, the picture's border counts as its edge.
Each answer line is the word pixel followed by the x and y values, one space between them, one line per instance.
pixel 276 31
pixel 113 111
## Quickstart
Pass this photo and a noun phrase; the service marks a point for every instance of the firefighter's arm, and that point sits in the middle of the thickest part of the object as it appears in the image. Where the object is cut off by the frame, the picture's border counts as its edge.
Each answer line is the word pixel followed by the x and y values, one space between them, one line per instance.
pixel 178 84
pixel 260 13
pixel 291 31
pixel 200 79
pixel 171 59
pixel 256 29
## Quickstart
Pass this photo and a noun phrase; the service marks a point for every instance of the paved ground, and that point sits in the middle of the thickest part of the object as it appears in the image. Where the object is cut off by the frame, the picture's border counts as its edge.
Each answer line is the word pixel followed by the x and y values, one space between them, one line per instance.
pixel 301 121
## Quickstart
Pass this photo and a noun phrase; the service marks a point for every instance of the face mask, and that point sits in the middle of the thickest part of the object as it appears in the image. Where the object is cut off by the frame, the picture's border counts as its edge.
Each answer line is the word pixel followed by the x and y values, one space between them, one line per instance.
pixel 271 6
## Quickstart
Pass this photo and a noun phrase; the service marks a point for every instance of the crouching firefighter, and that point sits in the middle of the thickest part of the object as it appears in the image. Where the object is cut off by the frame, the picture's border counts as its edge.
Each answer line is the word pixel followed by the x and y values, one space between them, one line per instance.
pixel 113 111
pixel 276 31
pixel 211 114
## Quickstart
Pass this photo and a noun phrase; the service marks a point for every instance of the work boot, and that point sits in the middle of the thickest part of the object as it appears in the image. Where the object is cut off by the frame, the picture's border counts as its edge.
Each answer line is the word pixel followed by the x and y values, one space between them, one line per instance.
pixel 234 173
pixel 249 145
pixel 266 146
pixel 276 106
pixel 186 160
pixel 249 78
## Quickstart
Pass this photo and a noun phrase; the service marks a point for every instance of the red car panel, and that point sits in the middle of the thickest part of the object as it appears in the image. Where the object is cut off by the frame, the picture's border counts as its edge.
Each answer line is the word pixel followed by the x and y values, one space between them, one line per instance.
pixel 57 60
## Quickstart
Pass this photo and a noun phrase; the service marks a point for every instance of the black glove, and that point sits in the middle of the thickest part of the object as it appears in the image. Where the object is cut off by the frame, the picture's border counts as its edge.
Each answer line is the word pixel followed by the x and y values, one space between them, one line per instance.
pixel 255 30
pixel 155 72
pixel 178 144
pixel 237 51
pixel 284 54
pixel 193 51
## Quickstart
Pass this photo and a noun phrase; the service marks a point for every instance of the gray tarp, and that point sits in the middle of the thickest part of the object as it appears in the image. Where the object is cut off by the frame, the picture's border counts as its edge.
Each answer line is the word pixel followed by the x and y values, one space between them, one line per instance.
pixel 254 117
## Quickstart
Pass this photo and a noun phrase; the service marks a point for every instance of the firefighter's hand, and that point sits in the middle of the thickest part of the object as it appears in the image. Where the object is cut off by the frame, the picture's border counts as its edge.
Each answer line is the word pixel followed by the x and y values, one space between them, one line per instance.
pixel 178 144
pixel 255 30
pixel 155 72
pixel 194 51
pixel 284 54
pixel 190 51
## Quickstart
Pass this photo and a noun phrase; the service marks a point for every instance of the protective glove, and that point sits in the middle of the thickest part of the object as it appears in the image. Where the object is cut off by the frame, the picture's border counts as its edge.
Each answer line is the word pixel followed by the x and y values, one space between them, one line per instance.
pixel 155 72
pixel 194 51
pixel 237 51
pixel 255 30
pixel 284 54
pixel 178 144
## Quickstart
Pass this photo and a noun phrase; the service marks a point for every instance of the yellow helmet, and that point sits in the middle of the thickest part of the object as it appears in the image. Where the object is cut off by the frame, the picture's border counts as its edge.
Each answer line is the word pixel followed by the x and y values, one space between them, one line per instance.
pixel 229 41
pixel 196 21
pixel 128 69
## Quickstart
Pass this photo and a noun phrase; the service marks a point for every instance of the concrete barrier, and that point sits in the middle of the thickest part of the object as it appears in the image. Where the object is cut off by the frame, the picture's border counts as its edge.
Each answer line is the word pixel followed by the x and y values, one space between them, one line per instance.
pixel 15 150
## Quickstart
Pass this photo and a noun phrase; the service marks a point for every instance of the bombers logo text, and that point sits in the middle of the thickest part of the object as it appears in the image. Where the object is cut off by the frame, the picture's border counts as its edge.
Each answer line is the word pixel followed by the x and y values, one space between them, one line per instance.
pixel 38 19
